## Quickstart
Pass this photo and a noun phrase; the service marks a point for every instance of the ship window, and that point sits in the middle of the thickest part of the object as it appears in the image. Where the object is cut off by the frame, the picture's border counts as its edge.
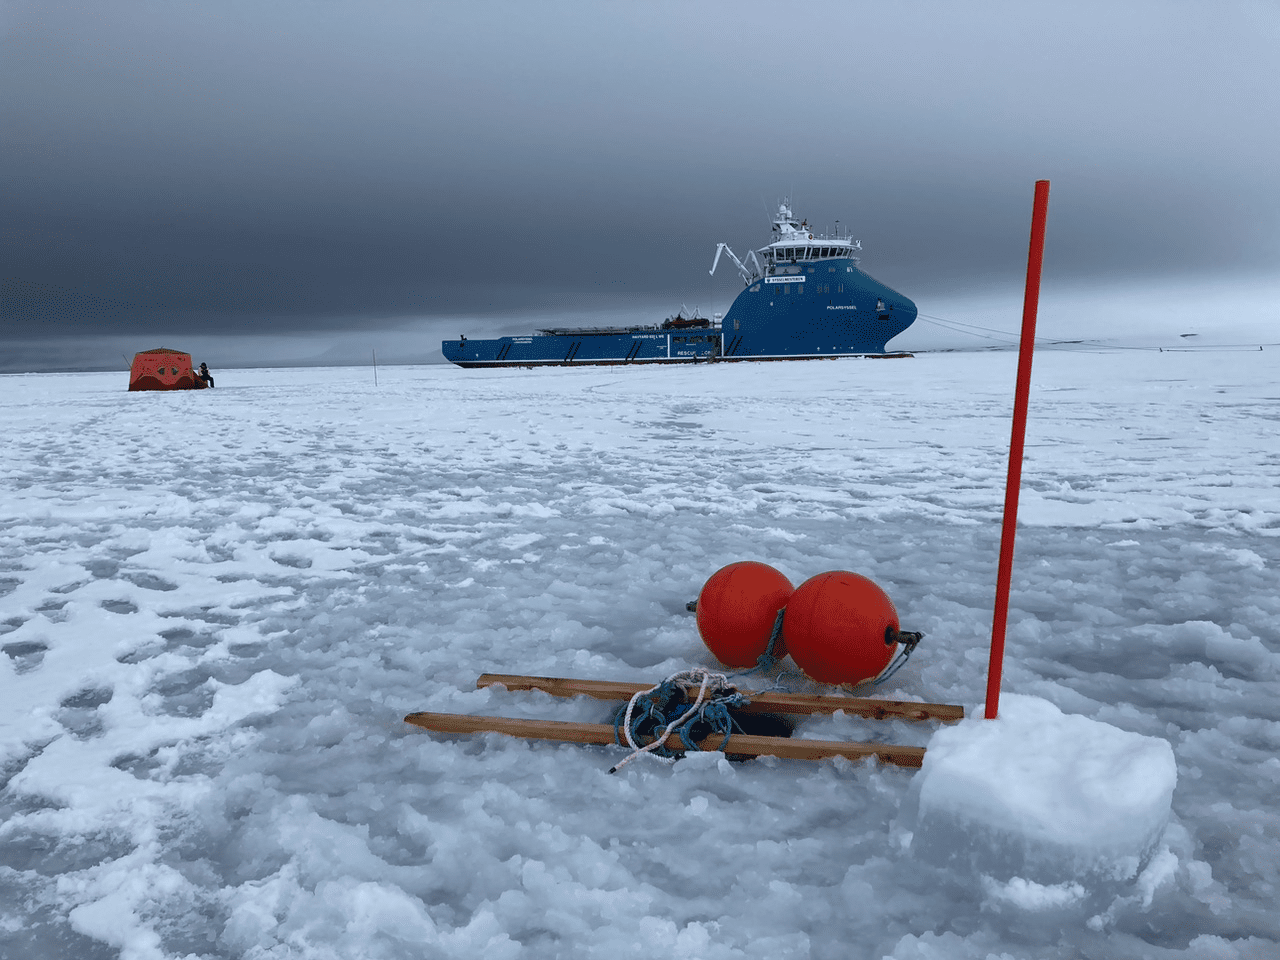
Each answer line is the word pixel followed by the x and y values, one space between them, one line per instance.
pixel 786 288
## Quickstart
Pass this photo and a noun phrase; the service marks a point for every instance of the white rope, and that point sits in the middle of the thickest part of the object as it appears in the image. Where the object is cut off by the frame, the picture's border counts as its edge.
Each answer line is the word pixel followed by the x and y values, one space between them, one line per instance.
pixel 719 684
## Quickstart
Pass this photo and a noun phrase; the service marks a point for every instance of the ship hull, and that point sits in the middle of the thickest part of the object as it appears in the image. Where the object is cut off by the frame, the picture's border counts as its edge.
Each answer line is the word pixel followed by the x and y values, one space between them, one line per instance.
pixel 822 309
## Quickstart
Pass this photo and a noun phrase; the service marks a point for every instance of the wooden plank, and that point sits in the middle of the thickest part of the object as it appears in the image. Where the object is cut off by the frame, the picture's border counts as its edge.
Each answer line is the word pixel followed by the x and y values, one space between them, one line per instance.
pixel 602 733
pixel 768 702
pixel 562 730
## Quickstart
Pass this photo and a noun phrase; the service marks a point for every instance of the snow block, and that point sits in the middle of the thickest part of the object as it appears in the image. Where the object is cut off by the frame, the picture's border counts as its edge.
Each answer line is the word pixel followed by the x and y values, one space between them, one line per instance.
pixel 1042 795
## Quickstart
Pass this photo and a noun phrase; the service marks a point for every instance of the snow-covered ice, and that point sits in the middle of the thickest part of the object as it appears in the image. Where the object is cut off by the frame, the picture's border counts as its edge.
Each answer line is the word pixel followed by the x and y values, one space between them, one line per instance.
pixel 1043 796
pixel 216 608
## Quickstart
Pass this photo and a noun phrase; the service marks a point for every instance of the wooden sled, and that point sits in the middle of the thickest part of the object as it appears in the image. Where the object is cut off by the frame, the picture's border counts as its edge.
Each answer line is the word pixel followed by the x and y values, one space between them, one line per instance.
pixel 738 744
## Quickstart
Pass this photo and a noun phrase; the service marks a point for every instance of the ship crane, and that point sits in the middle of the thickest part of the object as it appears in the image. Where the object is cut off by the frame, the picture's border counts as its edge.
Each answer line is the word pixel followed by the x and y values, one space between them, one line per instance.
pixel 746 272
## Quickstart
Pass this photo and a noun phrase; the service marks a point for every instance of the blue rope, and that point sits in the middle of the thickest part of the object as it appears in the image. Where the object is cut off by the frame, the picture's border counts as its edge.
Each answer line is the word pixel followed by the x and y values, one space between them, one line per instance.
pixel 767 661
pixel 716 715
pixel 659 708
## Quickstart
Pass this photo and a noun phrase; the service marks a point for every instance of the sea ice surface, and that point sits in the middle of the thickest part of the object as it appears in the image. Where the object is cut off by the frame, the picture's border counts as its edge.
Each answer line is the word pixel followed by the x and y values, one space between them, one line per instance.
pixel 217 607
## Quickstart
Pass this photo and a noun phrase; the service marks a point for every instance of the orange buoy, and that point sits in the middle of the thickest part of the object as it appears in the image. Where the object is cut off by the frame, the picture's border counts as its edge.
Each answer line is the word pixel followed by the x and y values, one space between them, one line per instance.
pixel 840 628
pixel 737 609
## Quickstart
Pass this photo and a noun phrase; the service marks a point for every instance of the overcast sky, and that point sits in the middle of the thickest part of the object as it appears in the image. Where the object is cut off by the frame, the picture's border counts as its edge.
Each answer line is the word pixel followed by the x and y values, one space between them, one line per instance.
pixel 227 168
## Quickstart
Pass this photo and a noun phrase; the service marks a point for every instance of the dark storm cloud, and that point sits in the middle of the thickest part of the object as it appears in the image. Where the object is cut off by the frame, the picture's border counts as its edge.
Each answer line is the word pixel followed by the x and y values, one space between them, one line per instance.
pixel 225 167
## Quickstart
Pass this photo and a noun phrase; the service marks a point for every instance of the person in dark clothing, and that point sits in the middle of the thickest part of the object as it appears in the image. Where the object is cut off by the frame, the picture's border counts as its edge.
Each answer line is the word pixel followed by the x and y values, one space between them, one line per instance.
pixel 203 374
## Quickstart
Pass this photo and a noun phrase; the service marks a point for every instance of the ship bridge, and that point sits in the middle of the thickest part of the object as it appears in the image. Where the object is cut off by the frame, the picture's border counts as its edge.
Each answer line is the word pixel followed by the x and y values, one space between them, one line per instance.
pixel 796 242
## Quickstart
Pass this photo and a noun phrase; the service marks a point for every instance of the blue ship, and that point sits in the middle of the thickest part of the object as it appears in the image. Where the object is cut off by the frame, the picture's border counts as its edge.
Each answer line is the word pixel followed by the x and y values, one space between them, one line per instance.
pixel 805 297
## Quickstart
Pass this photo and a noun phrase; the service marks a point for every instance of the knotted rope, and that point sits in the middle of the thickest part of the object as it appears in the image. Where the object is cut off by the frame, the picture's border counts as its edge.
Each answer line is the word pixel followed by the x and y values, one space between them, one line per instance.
pixel 767 660
pixel 660 708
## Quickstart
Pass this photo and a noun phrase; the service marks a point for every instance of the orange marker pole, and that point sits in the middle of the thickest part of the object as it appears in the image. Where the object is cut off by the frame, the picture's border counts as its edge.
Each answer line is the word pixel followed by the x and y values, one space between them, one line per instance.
pixel 1030 303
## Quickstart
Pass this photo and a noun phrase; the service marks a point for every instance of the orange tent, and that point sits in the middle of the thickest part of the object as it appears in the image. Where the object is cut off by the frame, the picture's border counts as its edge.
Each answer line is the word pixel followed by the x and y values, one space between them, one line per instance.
pixel 163 369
